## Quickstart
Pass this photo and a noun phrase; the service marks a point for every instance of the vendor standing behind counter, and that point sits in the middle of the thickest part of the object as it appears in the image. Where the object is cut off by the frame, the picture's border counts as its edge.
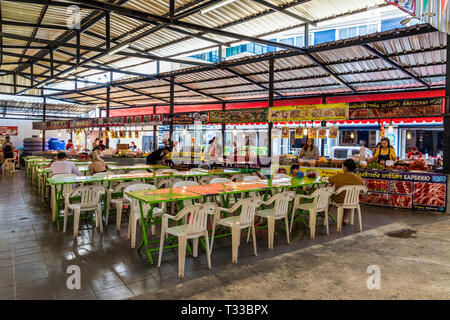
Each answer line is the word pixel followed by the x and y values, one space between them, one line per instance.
pixel 384 152
pixel 309 150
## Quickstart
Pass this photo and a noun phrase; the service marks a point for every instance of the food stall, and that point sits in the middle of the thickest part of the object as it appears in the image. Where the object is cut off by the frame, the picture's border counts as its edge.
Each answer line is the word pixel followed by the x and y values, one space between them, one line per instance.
pixel 413 184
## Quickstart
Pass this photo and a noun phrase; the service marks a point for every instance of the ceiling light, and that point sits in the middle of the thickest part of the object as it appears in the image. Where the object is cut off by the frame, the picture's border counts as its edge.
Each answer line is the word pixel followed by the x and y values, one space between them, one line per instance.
pixel 117 48
pixel 216 5
pixel 391 127
pixel 408 135
pixel 352 135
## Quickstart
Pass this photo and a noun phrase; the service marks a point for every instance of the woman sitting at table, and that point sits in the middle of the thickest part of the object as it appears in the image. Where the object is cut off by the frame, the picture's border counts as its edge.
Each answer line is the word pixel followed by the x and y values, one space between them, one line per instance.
pixel 54 159
pixel 97 165
pixel 309 150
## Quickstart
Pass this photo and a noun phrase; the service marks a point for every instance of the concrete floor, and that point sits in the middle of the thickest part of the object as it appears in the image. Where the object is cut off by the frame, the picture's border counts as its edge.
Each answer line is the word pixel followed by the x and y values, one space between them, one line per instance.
pixel 34 257
pixel 416 267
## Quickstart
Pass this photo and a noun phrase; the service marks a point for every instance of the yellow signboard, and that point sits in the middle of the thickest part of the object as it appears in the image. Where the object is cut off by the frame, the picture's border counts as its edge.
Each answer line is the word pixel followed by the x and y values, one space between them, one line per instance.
pixel 330 111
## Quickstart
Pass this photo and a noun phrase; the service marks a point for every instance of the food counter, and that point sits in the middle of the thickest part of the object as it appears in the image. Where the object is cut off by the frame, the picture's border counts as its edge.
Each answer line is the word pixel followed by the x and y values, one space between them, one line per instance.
pixel 418 190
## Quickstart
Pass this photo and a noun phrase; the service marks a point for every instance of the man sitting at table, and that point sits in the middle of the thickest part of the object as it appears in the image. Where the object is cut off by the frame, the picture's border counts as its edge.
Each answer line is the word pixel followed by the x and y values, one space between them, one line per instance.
pixel 157 156
pixel 62 166
pixel 345 179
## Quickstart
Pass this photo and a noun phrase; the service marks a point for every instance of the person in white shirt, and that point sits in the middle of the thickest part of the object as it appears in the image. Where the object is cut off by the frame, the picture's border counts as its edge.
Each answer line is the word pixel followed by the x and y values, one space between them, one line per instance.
pixel 62 166
pixel 362 151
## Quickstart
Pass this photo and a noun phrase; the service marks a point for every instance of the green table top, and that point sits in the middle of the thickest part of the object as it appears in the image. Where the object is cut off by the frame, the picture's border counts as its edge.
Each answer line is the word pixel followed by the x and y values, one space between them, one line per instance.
pixel 128 176
pixel 192 192
pixel 44 163
pixel 85 168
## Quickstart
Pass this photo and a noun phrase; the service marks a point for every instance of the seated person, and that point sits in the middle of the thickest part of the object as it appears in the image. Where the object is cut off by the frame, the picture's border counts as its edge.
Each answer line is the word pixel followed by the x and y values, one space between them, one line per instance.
pixel 414 154
pixel 54 159
pixel 157 156
pixel 295 168
pixel 97 165
pixel 101 146
pixel 132 146
pixel 344 179
pixel 69 145
pixel 62 166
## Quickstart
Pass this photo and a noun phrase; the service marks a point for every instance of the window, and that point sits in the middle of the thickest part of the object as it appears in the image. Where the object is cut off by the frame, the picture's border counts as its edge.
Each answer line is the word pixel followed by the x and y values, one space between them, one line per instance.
pixel 373 28
pixel 391 24
pixel 362 30
pixel 342 34
pixel 271 48
pixel 324 36
pixel 352 32
pixel 289 41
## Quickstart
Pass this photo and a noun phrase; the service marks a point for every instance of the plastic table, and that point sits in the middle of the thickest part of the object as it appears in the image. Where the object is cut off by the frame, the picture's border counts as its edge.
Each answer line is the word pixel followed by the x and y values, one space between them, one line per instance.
pixel 153 197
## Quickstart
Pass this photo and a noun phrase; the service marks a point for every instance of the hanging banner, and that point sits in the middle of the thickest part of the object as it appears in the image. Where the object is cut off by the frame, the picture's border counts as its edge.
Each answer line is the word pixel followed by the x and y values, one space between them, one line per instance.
pixel 321 133
pixel 51 125
pixel 299 133
pixel 9 131
pixel 395 108
pixel 312 133
pixel 238 115
pixel 285 132
pixel 408 6
pixel 331 111
pixel 186 118
pixel 332 132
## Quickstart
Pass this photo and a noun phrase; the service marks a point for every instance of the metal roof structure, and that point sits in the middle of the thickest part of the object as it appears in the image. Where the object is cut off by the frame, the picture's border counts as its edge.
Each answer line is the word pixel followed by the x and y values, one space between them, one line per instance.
pixel 411 58
pixel 38 49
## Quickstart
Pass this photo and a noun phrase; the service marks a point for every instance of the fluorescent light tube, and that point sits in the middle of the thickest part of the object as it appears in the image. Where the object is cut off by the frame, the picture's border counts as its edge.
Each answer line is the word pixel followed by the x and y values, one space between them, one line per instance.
pixel 215 6
pixel 117 48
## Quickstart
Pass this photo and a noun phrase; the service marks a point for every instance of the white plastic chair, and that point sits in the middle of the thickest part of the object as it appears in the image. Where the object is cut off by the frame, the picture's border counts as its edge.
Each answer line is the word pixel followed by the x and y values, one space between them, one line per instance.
pixel 351 202
pixel 135 214
pixel 251 178
pixel 281 176
pixel 9 165
pixel 183 183
pixel 321 200
pixel 101 175
pixel 279 211
pixel 90 201
pixel 117 202
pixel 220 180
pixel 197 216
pixel 236 177
pixel 205 179
pixel 243 221
pixel 64 188
pixel 167 170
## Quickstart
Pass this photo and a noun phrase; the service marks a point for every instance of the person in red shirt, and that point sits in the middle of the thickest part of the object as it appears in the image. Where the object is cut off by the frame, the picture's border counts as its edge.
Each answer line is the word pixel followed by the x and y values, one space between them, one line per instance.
pixel 414 153
pixel 69 145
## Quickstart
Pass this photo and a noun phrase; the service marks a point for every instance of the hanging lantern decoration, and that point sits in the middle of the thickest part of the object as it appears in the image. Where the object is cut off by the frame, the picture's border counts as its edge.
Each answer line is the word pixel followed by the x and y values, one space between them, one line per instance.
pixel 136 134
pixel 382 132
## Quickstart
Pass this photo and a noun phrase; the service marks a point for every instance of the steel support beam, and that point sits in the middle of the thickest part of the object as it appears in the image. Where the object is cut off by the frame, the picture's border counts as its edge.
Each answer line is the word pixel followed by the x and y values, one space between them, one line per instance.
pixel 251 80
pixel 171 109
pixel 446 136
pixel 394 64
pixel 271 98
pixel 43 119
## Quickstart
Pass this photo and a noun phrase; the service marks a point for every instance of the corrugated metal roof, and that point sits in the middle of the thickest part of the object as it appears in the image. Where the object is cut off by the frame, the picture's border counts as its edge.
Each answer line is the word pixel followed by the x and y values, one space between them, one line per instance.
pixel 297 75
